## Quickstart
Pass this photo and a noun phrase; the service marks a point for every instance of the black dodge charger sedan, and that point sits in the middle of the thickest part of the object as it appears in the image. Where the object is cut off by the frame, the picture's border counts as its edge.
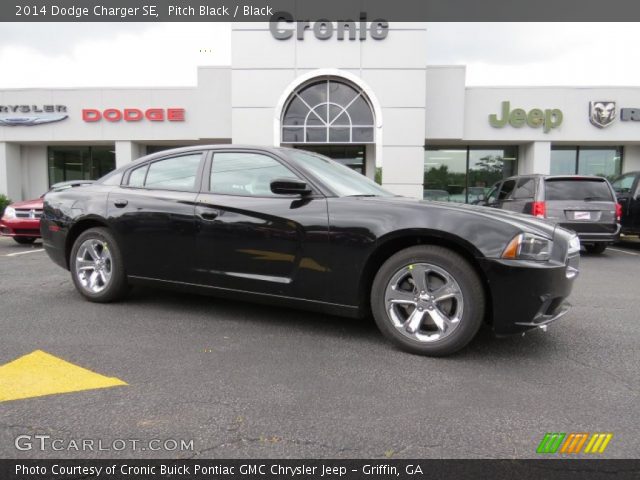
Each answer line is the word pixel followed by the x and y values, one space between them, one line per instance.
pixel 285 226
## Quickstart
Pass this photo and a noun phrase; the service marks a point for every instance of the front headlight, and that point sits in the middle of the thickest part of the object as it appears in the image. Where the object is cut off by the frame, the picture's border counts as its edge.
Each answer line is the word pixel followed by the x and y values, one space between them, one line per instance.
pixel 574 245
pixel 527 246
pixel 9 212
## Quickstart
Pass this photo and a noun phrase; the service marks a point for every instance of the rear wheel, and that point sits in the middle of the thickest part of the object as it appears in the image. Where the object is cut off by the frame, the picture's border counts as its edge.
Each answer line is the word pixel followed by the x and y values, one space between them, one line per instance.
pixel 596 248
pixel 428 300
pixel 25 240
pixel 96 266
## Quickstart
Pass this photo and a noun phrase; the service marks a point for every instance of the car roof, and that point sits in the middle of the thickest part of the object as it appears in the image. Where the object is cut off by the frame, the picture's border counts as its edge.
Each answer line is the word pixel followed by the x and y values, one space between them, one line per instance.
pixel 197 148
pixel 555 177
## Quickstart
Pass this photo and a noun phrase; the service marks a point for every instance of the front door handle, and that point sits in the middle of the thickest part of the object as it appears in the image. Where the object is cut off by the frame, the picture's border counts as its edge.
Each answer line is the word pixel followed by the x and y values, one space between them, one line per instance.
pixel 120 203
pixel 209 215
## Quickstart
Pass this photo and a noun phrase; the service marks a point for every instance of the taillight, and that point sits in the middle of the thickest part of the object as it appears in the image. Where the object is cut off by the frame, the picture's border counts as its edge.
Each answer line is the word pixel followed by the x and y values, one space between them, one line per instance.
pixel 618 212
pixel 539 209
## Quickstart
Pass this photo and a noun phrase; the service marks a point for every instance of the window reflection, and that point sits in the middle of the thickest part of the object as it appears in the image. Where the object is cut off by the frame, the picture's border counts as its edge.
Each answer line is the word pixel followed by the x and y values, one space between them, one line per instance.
pixel 465 174
pixel 80 162
pixel 600 161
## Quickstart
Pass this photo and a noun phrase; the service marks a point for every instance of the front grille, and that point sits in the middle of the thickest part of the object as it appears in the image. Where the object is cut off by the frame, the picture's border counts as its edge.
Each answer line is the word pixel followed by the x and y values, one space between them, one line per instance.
pixel 34 213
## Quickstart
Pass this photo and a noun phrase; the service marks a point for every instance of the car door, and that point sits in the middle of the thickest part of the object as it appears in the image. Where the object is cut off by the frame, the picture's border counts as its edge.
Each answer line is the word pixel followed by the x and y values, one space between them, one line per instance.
pixel 634 207
pixel 627 188
pixel 254 240
pixel 152 214
pixel 492 197
pixel 504 195
pixel 523 195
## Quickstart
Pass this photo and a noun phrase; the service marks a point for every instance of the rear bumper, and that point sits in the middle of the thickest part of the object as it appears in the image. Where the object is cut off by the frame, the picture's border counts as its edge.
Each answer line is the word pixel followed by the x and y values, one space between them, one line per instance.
pixel 526 295
pixel 19 227
pixel 594 233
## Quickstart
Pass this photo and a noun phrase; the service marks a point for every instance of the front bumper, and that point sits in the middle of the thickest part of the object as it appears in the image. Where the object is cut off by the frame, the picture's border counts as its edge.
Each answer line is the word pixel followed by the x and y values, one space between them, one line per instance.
pixel 526 295
pixel 19 227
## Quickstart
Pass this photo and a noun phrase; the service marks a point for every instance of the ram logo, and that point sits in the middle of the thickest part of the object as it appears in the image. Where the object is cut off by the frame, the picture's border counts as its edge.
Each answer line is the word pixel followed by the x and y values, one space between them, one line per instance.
pixel 602 113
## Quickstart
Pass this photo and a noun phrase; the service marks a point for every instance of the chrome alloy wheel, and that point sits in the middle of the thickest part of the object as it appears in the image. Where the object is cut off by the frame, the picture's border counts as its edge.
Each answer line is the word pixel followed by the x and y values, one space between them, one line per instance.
pixel 424 302
pixel 94 265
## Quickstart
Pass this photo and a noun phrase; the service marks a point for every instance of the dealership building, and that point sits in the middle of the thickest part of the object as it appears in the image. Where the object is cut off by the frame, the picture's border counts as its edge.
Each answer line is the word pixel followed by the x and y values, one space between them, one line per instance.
pixel 360 92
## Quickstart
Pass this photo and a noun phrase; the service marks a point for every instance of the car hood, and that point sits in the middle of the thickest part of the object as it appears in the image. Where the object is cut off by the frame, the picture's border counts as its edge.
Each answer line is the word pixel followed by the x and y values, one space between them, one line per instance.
pixel 35 204
pixel 518 220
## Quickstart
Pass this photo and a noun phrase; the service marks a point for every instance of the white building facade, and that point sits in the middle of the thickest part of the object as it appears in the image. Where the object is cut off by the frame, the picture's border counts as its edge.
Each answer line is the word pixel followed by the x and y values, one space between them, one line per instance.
pixel 366 99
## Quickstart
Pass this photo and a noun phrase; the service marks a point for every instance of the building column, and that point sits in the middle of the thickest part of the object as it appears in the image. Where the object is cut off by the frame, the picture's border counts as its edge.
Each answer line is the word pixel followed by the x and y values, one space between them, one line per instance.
pixel 11 171
pixel 35 170
pixel 403 170
pixel 535 157
pixel 127 152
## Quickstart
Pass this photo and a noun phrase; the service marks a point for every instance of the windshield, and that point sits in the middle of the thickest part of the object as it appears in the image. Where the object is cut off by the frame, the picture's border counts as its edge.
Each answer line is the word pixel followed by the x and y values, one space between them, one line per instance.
pixel 340 179
pixel 578 189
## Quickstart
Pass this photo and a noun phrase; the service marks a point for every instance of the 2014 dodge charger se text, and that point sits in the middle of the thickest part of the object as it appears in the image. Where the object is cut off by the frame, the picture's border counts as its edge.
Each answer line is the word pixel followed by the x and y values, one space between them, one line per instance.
pixel 285 226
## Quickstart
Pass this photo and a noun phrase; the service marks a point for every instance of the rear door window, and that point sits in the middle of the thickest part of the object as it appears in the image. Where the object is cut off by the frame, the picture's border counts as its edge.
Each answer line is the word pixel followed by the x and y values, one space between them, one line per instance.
pixel 579 189
pixel 507 190
pixel 525 188
pixel 178 173
pixel 624 184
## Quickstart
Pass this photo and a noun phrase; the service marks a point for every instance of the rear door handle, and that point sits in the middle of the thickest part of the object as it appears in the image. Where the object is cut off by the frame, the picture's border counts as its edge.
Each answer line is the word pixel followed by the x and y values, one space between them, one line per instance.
pixel 120 203
pixel 209 215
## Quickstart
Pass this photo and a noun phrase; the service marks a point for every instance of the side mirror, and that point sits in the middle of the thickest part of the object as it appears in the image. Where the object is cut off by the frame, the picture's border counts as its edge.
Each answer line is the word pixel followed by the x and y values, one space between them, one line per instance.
pixel 289 186
pixel 481 197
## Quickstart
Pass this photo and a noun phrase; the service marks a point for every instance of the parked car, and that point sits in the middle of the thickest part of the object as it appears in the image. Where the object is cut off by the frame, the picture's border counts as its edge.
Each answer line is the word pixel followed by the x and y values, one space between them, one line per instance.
pixel 474 195
pixel 585 204
pixel 627 188
pixel 284 226
pixel 21 220
pixel 435 195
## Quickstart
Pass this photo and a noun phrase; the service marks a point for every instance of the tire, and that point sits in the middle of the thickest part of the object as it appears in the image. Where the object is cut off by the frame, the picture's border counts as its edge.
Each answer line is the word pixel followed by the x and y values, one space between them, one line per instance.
pixel 459 312
pixel 596 248
pixel 104 260
pixel 25 240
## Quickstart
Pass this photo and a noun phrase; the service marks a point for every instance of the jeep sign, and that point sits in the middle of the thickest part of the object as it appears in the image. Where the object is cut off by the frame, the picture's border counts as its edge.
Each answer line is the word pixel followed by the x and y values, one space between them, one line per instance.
pixel 534 118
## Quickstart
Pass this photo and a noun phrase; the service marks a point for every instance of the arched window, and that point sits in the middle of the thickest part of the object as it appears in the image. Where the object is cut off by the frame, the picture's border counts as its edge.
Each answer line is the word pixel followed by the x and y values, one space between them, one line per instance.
pixel 328 111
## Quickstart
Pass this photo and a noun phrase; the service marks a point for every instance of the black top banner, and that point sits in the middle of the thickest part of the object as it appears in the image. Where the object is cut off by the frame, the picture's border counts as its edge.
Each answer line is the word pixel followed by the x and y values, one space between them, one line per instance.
pixel 314 10
pixel 371 469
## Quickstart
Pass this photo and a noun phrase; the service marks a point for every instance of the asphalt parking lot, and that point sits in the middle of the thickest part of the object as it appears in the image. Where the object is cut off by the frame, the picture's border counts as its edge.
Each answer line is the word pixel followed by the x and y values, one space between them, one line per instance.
pixel 242 380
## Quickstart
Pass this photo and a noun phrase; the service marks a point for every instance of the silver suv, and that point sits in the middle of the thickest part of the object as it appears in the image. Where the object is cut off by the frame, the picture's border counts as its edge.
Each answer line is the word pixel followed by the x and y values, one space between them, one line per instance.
pixel 584 204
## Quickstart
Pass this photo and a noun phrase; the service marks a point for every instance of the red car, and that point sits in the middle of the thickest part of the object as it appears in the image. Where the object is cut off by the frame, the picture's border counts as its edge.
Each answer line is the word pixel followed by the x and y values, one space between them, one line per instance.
pixel 21 220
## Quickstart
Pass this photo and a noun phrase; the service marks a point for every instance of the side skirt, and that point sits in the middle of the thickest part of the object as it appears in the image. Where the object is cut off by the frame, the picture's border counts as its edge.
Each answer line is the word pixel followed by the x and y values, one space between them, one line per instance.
pixel 262 298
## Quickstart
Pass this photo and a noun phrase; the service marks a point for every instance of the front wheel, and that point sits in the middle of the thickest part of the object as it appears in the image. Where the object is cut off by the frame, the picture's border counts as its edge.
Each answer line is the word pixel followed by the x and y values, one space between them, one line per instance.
pixel 428 300
pixel 96 266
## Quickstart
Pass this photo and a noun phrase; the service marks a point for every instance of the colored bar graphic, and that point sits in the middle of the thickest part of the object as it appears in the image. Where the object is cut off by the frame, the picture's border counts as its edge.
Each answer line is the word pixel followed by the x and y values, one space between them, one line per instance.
pixel 552 442
pixel 598 443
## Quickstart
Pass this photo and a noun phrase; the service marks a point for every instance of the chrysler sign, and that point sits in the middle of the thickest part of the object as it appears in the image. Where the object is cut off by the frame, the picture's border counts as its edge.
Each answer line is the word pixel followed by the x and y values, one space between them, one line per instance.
pixel 29 115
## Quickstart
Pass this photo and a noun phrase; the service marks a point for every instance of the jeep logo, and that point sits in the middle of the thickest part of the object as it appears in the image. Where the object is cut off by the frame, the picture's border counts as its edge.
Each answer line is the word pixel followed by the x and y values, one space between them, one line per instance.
pixel 534 118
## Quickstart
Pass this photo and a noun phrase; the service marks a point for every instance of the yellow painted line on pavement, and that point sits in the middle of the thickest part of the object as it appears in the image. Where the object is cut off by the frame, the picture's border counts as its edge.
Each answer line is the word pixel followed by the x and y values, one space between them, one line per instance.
pixel 39 373
pixel 24 253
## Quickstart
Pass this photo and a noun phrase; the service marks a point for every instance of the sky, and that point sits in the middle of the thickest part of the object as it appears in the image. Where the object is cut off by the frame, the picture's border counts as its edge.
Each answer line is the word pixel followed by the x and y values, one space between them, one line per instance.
pixel 167 54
